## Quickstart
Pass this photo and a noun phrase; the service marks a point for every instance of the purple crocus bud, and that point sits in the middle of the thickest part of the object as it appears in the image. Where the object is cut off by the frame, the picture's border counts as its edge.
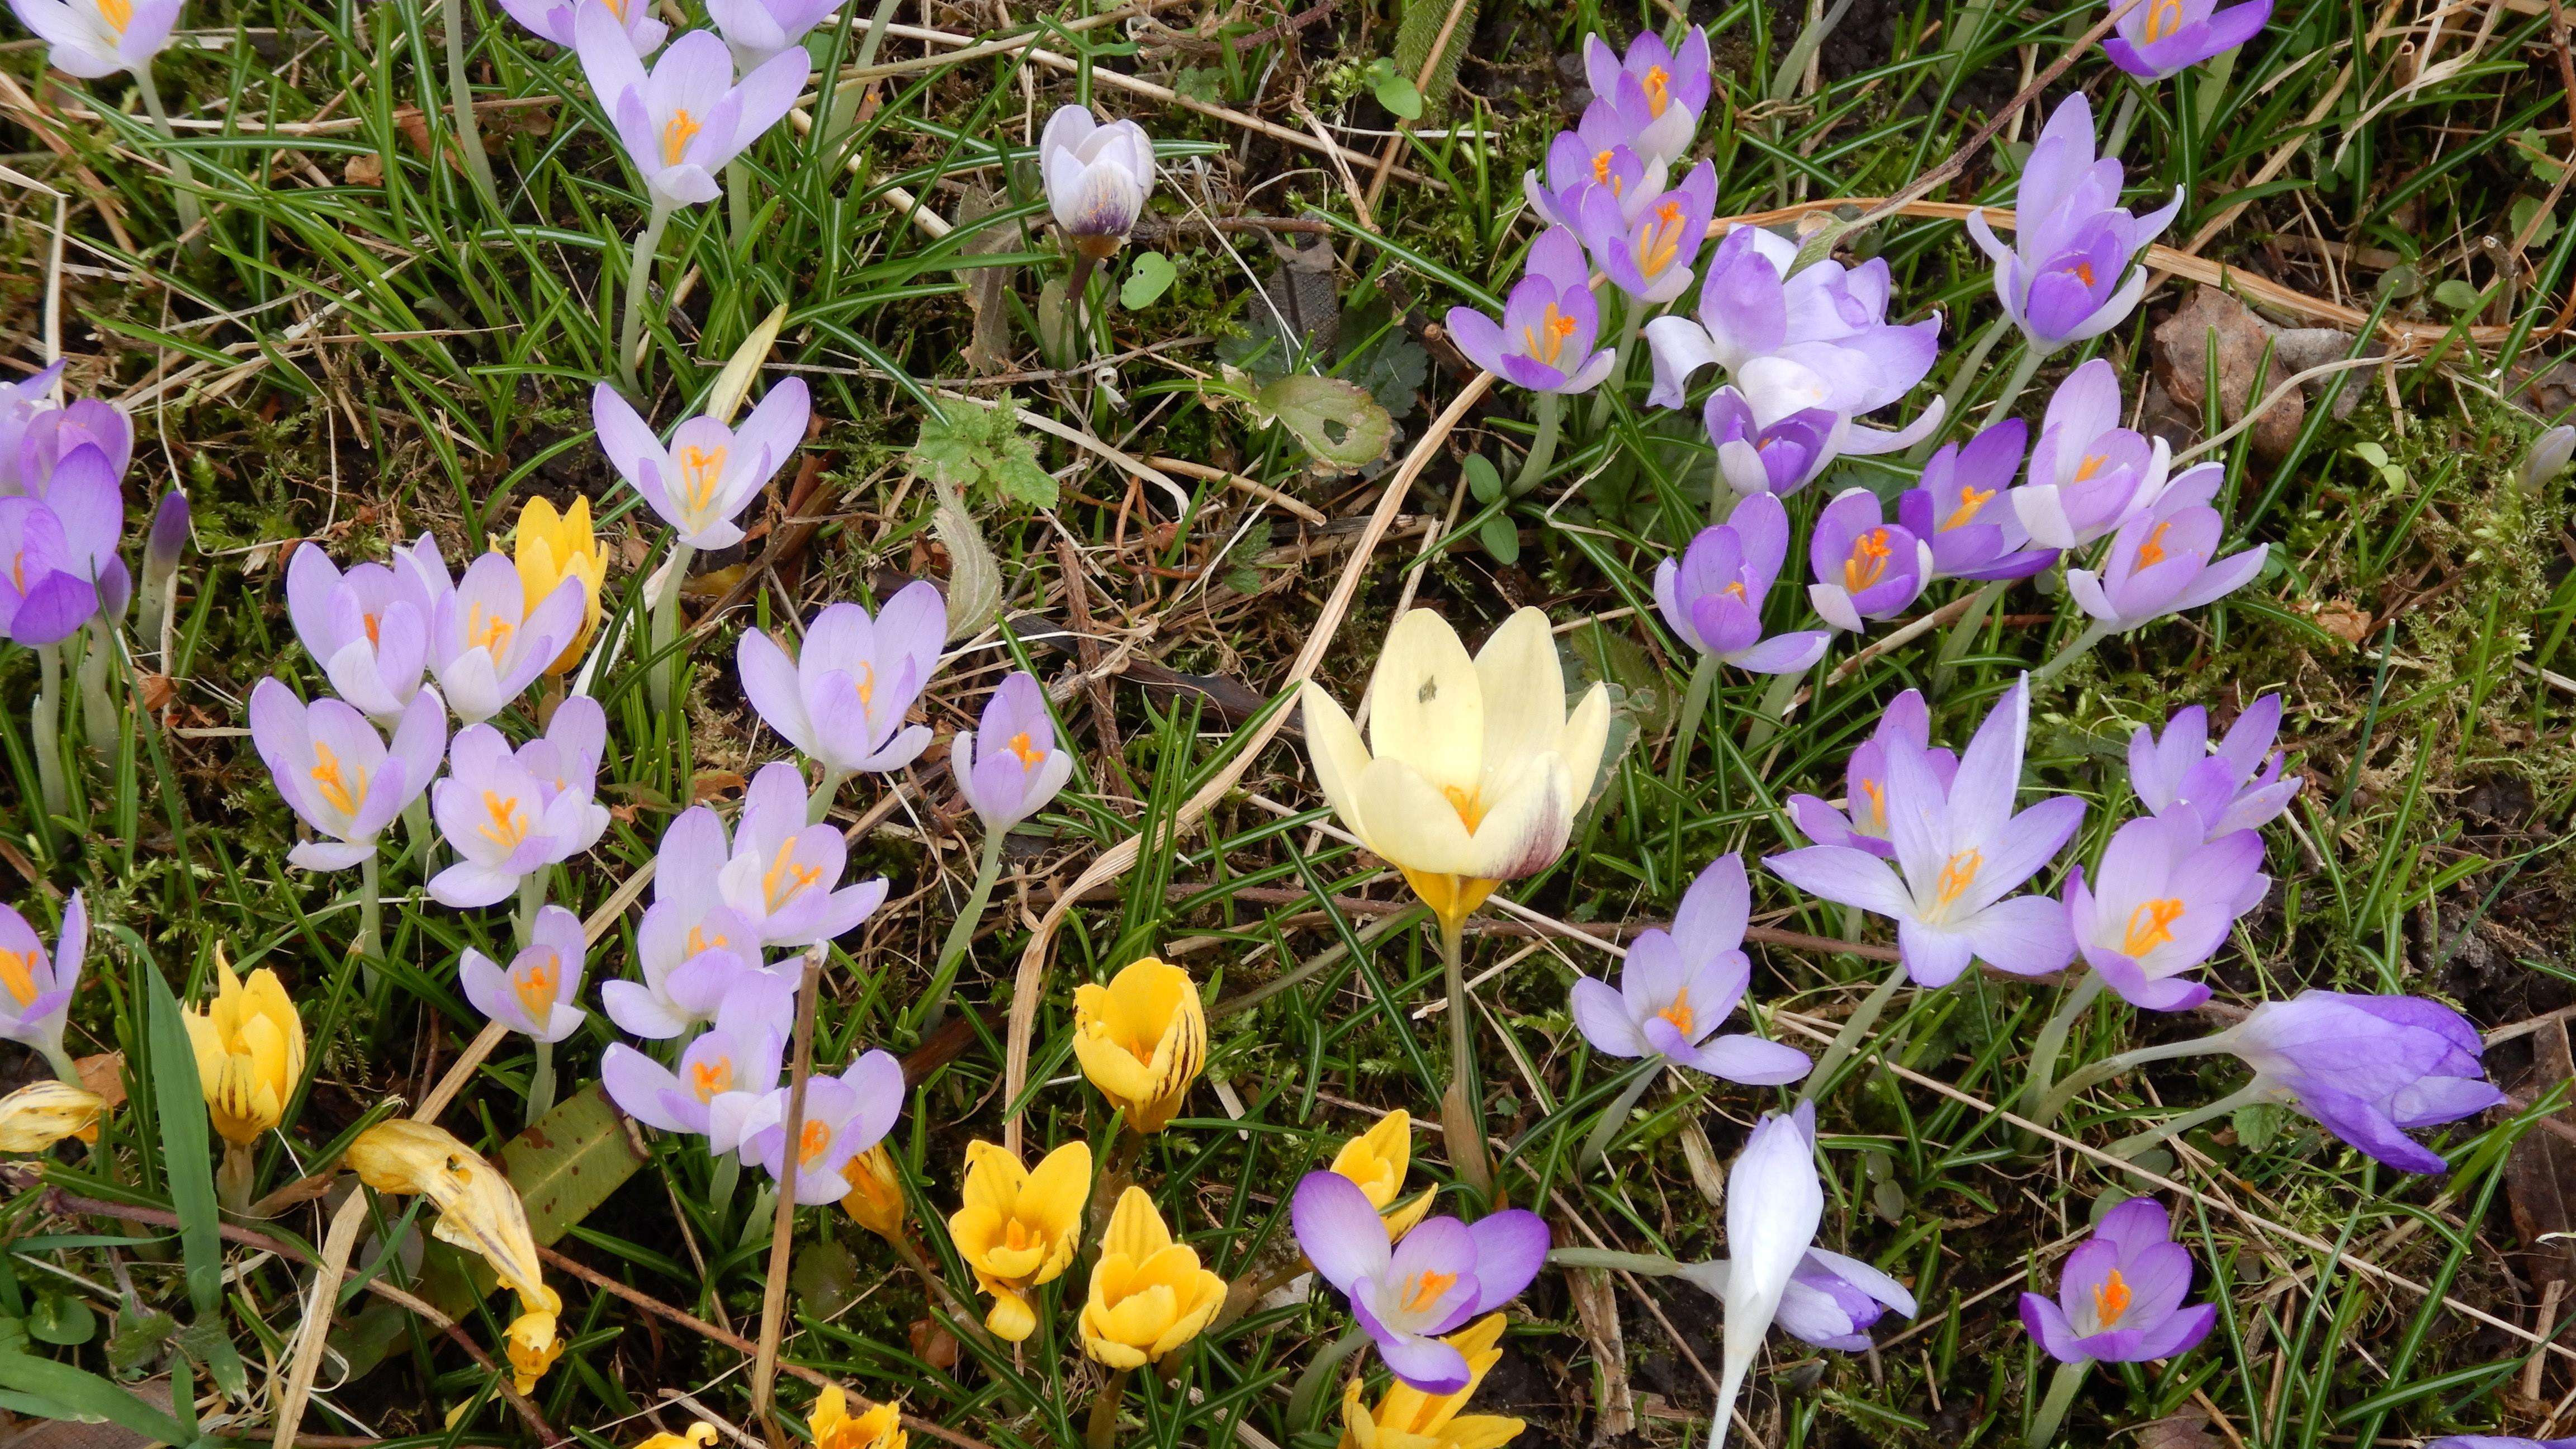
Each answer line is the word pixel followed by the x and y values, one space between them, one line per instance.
pixel 368 628
pixel 702 482
pixel 1866 568
pixel 723 1074
pixel 36 985
pixel 1774 1203
pixel 488 641
pixel 45 592
pixel 337 774
pixel 1950 509
pixel 2088 474
pixel 1097 177
pixel 1648 255
pixel 553 20
pixel 1656 91
pixel 167 542
pixel 2160 561
pixel 508 814
pixel 844 1116
pixel 1679 987
pixel 2492 1441
pixel 535 994
pixel 1712 595
pixel 1544 342
pixel 1407 1294
pixel 2067 276
pixel 1906 724
pixel 843 699
pixel 20 401
pixel 94 39
pixel 2159 38
pixel 692 968
pixel 681 124
pixel 784 876
pixel 1780 458
pixel 1830 1301
pixel 2161 905
pixel 1595 153
pixel 1960 852
pixel 756 31
pixel 1020 767
pixel 2119 1296
pixel 2237 788
pixel 2369 1069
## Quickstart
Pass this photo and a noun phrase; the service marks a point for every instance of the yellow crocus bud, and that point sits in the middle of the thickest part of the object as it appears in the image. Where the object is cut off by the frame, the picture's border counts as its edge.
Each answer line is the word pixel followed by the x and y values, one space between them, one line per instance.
pixel 250 1052
pixel 1018 1228
pixel 478 1210
pixel 1377 1160
pixel 40 1114
pixel 699 1436
pixel 1148 1294
pixel 554 547
pixel 533 1346
pixel 877 1199
pixel 880 1427
pixel 1408 1418
pixel 1142 1039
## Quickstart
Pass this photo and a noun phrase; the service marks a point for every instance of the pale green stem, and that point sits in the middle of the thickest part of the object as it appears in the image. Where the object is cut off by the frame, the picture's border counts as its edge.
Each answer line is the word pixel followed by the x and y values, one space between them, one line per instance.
pixel 1319 1374
pixel 762 1225
pixel 65 1070
pixel 664 679
pixel 639 276
pixel 2052 1410
pixel 1773 709
pixel 1542 453
pixel 1463 1110
pixel 532 898
pixel 2128 1148
pixel 45 725
pixel 1077 291
pixel 2118 140
pixel 720 1186
pixel 1632 321
pixel 1653 1265
pixel 819 805
pixel 1102 1431
pixel 1695 697
pixel 233 1178
pixel 424 836
pixel 2051 1042
pixel 1608 1127
pixel 2086 1079
pixel 1855 1029
pixel 737 185
pixel 1971 363
pixel 183 189
pixel 2095 631
pixel 961 932
pixel 1963 632
pixel 371 906
pixel 2016 382
pixel 875 37
pixel 541 1083
pixel 460 103
pixel 98 708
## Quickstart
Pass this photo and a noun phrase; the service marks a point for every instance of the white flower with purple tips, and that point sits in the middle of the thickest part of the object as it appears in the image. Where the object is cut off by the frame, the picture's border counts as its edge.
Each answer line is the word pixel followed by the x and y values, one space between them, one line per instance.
pixel 682 122
pixel 1678 987
pixel 367 627
pixel 843 699
pixel 337 773
pixel 1097 177
pixel 1407 1294
pixel 508 814
pixel 537 993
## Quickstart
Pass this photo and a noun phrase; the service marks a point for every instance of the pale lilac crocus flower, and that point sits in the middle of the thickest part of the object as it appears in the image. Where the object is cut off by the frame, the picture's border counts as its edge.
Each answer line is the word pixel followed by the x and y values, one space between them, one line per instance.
pixel 1020 768
pixel 94 39
pixel 1655 91
pixel 1830 1301
pixel 368 627
pixel 1679 986
pixel 1779 457
pixel 2119 1295
pixel 337 774
pixel 692 968
pixel 537 993
pixel 37 986
pixel 2067 275
pixel 1866 568
pixel 1595 153
pixel 46 591
pixel 1828 318
pixel 1407 1294
pixel 2369 1069
pixel 844 1116
pixel 20 401
pixel 2161 562
pixel 723 1074
pixel 2158 38
pixel 1960 852
pixel 1097 177
pixel 756 31
pixel 710 472
pixel 1774 1204
pixel 1906 724
pixel 780 876
pixel 510 814
pixel 1952 509
pixel 2088 475
pixel 53 437
pixel 2237 787
pixel 1648 255
pixel 842 700
pixel 1550 322
pixel 683 122
pixel 487 640
pixel 61 519
pixel 553 20
pixel 2492 1441
pixel 2161 905
pixel 1711 597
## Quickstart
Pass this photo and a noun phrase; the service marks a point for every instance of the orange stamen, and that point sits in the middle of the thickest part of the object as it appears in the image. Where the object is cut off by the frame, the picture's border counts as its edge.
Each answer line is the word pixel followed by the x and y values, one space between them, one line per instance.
pixel 2151 925
pixel 1868 561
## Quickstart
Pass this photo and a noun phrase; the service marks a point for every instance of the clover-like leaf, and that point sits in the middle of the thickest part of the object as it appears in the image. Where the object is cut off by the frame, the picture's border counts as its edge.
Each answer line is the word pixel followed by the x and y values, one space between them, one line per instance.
pixel 1149 276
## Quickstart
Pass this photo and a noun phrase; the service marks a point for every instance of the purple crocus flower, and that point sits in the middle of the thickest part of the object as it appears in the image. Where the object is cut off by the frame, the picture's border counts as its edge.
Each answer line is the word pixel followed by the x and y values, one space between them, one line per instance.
pixel 2161 905
pixel 723 1073
pixel 1780 457
pixel 337 774
pixel 536 992
pixel 1866 568
pixel 1950 509
pixel 94 39
pixel 1959 853
pixel 685 120
pixel 2369 1069
pixel 1407 1294
pixel 2067 276
pixel 46 592
pixel 757 31
pixel 1657 92
pixel 487 640
pixel 1711 597
pixel 53 437
pixel 36 985
pixel 844 1116
pixel 1595 153
pixel 508 814
pixel 2161 561
pixel 553 20
pixel 692 968
pixel 1829 1301
pixel 1020 768
pixel 2088 475
pixel 1828 319
pixel 369 627
pixel 1648 255
pixel 61 519
pixel 780 876
pixel 1905 725
pixel 2239 787
pixel 842 700
pixel 2119 1295
pixel 20 402
pixel 2158 38
pixel 1550 321
pixel 2492 1441
pixel 702 482
pixel 1679 987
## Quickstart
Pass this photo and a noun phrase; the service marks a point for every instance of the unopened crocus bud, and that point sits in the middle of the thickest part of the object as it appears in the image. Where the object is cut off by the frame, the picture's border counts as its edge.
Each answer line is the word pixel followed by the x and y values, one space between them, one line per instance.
pixel 553 547
pixel 1096 176
pixel 1141 1040
pixel 2549 456
pixel 166 544
pixel 875 1199
pixel 40 1114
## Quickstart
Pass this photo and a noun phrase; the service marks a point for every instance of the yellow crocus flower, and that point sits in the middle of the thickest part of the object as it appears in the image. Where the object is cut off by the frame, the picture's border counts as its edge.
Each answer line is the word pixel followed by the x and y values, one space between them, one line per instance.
pixel 1148 1294
pixel 40 1114
pixel 1377 1160
pixel 554 547
pixel 1018 1228
pixel 700 1435
pixel 834 1427
pixel 1142 1039
pixel 876 1198
pixel 250 1052
pixel 1408 1418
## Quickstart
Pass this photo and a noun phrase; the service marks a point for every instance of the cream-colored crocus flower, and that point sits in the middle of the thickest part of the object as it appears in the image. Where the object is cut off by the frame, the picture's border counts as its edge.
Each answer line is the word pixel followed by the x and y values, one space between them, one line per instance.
pixel 250 1052
pixel 1472 771
pixel 40 1114
pixel 1408 1418
pixel 1377 1161
pixel 1148 1294
pixel 479 1211
pixel 876 1199
pixel 1142 1039
pixel 835 1427
pixel 1018 1228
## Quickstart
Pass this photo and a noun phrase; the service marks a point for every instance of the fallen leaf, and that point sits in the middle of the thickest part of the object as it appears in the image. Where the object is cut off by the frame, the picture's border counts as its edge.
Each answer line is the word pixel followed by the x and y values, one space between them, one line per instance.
pixel 1596 1304
pixel 2344 621
pixel 105 1075
pixel 301 1190
pixel 2540 1174
pixel 154 691
pixel 2186 1430
pixel 710 784
pixel 932 1344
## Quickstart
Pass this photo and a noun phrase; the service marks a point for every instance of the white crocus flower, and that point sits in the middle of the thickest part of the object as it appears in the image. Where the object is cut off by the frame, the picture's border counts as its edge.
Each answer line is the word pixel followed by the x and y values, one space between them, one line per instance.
pixel 1774 1203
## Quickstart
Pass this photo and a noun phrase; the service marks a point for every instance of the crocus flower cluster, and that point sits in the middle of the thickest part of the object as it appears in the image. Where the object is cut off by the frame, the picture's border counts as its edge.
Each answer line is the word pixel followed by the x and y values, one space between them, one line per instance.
pixel 508 813
pixel 1644 111
pixel 2067 275
pixel 1679 986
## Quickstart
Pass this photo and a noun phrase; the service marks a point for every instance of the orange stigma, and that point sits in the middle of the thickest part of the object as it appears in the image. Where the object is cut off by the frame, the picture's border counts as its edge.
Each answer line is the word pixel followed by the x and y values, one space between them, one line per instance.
pixel 2151 925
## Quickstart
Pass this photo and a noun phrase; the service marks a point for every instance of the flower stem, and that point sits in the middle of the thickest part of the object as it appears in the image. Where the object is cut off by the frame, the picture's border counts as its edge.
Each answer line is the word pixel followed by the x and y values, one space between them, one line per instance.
pixel 2118 140
pixel 2095 631
pixel 2046 1109
pixel 1653 1265
pixel 819 805
pixel 2051 1042
pixel 1863 1017
pixel 424 836
pixel 371 907
pixel 1772 711
pixel 2128 1148
pixel 541 1083
pixel 1462 1109
pixel 1608 1127
pixel 1963 631
pixel 460 101
pixel 1632 321
pixel 1102 1430
pixel 1703 683
pixel 1542 454
pixel 2025 367
pixel 1971 363
pixel 961 932
pixel 98 710
pixel 45 722
pixel 665 676
pixel 233 1178
pixel 1077 287
pixel 1319 1372
pixel 2052 1410
pixel 65 1070
pixel 183 194
pixel 532 898
pixel 639 275
pixel 721 1184
pixel 737 185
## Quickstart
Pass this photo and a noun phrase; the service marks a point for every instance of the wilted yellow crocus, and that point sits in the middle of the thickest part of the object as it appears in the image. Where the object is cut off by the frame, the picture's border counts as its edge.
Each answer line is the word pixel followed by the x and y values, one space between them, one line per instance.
pixel 554 547
pixel 1377 1160
pixel 1148 1294
pixel 1142 1039
pixel 478 1211
pixel 834 1428
pixel 1472 772
pixel 1018 1228
pixel 40 1114
pixel 533 1345
pixel 1408 1418
pixel 700 1435
pixel 876 1199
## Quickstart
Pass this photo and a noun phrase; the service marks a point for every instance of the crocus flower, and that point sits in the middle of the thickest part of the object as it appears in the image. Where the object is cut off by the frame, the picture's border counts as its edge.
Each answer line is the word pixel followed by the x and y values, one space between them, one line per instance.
pixel 1595 153
pixel 2369 1069
pixel 1828 319
pixel 1648 255
pixel 2119 1295
pixel 1866 568
pixel 844 1116
pixel 60 547
pixel 1712 595
pixel 699 1435
pixel 488 641
pixel 2548 457
pixel 508 814
pixel 165 543
pixel 2161 905
pixel 843 699
pixel 53 437
pixel 1148 1294
pixel 1021 767
pixel 1905 725
pixel 42 1113
pixel 1409 1418
pixel 881 1427
pixel 692 967
pixel 1774 1203
pixel 93 39
pixel 1141 1039
pixel 1959 852
pixel 757 30
pixel 553 547
pixel 875 1200
pixel 536 992
pixel 532 1347
pixel 1017 1228
pixel 1658 92
pixel 337 774
pixel 1679 986
pixel 702 482
pixel 2067 275
pixel 2492 1441
pixel 2158 38
pixel 1473 771
pixel 2238 787
pixel 780 876
pixel 1780 457
pixel 249 1045
pixel 36 986
pixel 1408 1294
pixel 22 400
pixel 369 627
pixel 1830 1301
pixel 553 20
pixel 1949 509
pixel 682 123
pixel 2161 561
pixel 723 1074
pixel 1096 177
pixel 2088 475
pixel 1544 342
pixel 1376 1161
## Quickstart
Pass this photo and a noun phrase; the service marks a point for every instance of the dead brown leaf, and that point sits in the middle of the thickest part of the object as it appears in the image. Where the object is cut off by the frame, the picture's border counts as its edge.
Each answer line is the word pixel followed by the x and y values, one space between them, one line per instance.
pixel 1596 1304
pixel 710 784
pixel 105 1075
pixel 2344 621
pixel 2540 1175
pixel 2186 1430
